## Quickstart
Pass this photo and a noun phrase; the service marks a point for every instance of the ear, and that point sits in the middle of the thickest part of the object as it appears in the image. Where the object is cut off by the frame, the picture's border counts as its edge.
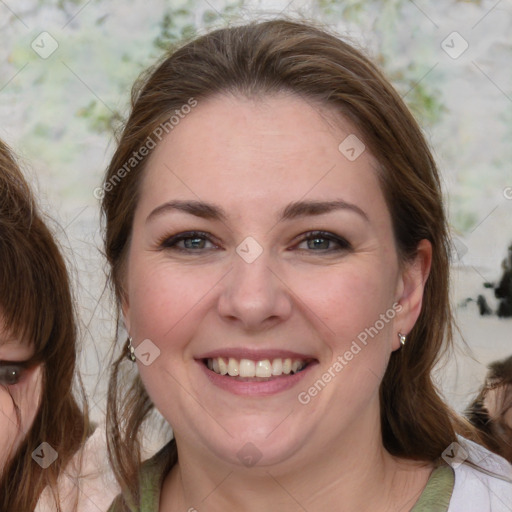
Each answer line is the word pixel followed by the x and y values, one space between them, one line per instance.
pixel 410 290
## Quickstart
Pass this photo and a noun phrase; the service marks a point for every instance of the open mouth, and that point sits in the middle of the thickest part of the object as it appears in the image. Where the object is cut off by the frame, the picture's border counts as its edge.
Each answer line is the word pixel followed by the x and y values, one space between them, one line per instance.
pixel 256 371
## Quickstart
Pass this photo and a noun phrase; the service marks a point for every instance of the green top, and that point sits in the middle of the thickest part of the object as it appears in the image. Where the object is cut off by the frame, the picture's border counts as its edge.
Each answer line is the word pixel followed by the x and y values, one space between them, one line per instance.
pixel 434 498
pixel 438 492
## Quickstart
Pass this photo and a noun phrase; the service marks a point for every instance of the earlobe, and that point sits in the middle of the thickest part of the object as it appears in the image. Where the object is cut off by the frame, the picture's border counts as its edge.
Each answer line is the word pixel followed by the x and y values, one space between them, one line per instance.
pixel 412 286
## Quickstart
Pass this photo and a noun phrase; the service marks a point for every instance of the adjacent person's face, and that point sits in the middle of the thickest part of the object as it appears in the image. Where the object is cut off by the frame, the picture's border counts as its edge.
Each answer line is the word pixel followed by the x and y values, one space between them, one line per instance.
pixel 304 301
pixel 20 391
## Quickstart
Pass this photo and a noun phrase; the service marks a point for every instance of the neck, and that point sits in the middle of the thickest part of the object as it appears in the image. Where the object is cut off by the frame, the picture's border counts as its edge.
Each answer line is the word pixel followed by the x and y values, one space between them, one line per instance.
pixel 353 471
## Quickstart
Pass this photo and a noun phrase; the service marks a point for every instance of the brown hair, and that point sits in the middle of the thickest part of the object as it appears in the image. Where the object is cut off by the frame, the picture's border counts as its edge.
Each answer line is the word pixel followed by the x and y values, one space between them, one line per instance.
pixel 488 410
pixel 37 307
pixel 266 58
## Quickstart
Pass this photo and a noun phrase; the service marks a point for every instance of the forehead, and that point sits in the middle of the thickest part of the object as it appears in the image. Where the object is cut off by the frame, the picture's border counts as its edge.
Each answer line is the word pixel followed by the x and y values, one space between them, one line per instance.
pixel 257 152
pixel 8 333
pixel 12 346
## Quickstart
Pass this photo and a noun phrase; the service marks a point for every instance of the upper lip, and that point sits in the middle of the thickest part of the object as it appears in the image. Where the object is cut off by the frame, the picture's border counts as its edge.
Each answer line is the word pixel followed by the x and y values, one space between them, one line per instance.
pixel 254 354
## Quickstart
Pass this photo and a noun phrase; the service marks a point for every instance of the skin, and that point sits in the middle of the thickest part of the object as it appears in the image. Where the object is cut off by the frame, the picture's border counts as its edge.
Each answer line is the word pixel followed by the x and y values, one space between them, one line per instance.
pixel 252 158
pixel 23 395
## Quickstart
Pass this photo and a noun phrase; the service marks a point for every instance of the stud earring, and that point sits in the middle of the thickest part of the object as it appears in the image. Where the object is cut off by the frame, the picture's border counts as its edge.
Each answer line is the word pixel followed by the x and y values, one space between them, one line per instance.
pixel 402 338
pixel 131 350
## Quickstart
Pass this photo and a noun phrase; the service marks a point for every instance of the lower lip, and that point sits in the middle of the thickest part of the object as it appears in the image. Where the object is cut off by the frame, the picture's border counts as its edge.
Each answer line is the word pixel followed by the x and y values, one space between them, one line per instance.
pixel 261 388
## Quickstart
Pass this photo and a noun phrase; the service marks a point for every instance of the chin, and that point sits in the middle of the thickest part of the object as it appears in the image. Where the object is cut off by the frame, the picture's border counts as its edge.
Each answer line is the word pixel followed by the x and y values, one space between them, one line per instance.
pixel 256 445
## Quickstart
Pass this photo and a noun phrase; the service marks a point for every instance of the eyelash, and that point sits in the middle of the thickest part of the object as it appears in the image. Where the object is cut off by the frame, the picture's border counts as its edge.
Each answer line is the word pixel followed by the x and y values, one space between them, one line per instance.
pixel 170 242
pixel 11 373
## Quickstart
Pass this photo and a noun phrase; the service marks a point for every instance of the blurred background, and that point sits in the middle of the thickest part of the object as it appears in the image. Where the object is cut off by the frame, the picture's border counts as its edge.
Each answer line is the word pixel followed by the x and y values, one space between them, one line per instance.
pixel 67 66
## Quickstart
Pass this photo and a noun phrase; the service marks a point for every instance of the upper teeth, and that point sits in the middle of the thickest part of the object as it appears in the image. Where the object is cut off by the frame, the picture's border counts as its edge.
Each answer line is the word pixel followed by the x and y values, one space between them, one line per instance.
pixel 248 368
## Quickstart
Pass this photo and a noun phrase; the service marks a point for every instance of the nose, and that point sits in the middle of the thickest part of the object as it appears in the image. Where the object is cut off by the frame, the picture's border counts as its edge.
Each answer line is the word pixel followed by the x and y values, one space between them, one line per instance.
pixel 254 295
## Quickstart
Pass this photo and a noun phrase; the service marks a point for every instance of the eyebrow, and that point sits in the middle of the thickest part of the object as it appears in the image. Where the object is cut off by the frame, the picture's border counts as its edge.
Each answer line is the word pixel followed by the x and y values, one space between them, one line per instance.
pixel 293 210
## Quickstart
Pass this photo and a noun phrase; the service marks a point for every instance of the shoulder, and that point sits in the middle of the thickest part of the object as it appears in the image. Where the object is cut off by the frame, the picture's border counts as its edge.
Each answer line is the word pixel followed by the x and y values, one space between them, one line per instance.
pixel 483 480
pixel 151 476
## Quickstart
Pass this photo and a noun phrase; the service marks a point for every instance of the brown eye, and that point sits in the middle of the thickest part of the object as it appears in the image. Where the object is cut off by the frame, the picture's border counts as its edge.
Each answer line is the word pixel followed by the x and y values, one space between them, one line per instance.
pixel 11 374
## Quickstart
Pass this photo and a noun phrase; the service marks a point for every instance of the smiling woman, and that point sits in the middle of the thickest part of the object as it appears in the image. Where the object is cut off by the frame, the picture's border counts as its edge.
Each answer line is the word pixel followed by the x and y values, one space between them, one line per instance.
pixel 287 239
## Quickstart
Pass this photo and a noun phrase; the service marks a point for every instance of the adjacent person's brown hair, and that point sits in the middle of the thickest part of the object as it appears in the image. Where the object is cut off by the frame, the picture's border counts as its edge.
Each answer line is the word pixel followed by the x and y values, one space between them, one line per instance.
pixel 37 307
pixel 265 58
pixel 491 410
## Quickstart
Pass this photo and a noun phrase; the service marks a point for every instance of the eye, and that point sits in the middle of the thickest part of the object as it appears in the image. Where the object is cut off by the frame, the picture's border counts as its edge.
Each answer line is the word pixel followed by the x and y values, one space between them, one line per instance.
pixel 322 241
pixel 11 373
pixel 197 241
pixel 193 241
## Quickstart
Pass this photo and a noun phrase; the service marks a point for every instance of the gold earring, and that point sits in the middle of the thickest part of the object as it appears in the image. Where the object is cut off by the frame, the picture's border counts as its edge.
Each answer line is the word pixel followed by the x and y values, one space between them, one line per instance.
pixel 402 338
pixel 131 350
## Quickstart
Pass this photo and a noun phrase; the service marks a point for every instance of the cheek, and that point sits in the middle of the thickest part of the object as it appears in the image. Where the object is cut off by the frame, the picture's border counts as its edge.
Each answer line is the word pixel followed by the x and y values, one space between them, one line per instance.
pixel 18 408
pixel 26 394
pixel 348 300
pixel 355 306
pixel 10 431
pixel 30 396
pixel 163 297
pixel 166 308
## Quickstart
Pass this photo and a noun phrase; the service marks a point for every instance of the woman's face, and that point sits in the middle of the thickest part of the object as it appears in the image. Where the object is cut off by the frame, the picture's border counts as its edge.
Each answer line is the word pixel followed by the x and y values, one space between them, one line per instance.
pixel 261 245
pixel 20 392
